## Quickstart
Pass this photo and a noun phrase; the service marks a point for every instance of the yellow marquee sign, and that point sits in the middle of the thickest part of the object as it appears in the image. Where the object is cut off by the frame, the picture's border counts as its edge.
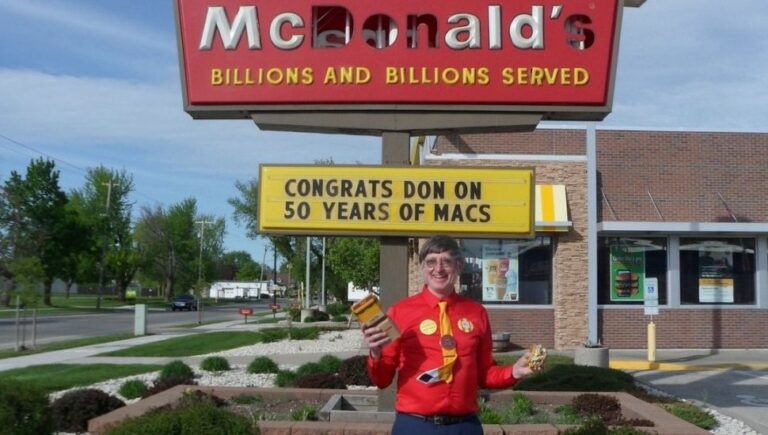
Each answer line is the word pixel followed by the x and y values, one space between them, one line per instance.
pixel 390 201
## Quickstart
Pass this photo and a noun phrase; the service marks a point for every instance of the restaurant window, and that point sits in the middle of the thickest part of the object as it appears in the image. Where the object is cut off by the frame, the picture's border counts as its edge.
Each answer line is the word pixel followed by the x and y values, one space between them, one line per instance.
pixel 717 271
pixel 507 272
pixel 623 266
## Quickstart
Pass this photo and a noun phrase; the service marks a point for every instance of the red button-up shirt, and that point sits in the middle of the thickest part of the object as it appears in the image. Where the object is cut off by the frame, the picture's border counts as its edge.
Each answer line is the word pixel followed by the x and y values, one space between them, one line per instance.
pixel 418 350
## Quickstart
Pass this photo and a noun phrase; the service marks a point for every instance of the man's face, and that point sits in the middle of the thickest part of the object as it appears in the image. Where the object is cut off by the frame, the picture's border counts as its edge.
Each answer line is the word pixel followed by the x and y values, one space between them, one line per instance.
pixel 440 273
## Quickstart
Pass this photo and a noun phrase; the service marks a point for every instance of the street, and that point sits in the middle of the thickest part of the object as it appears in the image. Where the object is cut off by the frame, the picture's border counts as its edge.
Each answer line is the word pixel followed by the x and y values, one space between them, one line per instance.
pixel 57 328
pixel 742 394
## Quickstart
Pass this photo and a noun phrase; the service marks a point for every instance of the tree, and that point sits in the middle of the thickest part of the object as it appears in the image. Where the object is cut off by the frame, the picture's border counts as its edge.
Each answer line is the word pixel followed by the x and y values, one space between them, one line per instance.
pixel 111 240
pixel 233 262
pixel 356 260
pixel 33 221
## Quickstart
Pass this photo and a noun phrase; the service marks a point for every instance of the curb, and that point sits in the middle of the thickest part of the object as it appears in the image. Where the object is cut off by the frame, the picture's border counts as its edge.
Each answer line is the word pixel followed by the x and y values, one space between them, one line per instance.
pixel 620 364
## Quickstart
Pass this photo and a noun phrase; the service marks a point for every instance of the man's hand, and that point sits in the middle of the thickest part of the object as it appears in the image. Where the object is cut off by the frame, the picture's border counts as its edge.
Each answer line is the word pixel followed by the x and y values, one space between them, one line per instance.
pixel 521 369
pixel 376 339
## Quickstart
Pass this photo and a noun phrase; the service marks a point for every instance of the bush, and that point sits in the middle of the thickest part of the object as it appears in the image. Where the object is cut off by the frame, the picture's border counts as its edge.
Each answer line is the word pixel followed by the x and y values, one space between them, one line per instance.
pixel 176 369
pixel 691 414
pixel 337 309
pixel 71 412
pixel 310 368
pixel 132 389
pixel 306 412
pixel 272 335
pixel 317 316
pixel 285 378
pixel 197 418
pixel 162 384
pixel 24 409
pixel 579 378
pixel 215 364
pixel 309 333
pixel 263 364
pixel 247 399
pixel 340 318
pixel 294 313
pixel 354 371
pixel 320 380
pixel 330 363
pixel 607 408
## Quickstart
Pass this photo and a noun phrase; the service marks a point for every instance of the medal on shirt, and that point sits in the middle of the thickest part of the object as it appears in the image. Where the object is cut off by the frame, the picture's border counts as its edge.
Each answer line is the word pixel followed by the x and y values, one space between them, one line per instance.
pixel 448 342
pixel 465 325
pixel 428 327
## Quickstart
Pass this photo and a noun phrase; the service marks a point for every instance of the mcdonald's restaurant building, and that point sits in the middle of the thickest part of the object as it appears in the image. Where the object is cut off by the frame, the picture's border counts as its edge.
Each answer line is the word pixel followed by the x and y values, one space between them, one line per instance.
pixel 687 211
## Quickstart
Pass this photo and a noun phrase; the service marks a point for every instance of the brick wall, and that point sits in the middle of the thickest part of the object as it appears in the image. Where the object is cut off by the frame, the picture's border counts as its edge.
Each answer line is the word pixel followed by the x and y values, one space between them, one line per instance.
pixel 525 326
pixel 683 171
pixel 685 328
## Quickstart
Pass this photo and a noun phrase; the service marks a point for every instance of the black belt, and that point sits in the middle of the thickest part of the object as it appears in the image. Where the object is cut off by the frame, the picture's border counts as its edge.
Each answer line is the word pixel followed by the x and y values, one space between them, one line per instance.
pixel 443 420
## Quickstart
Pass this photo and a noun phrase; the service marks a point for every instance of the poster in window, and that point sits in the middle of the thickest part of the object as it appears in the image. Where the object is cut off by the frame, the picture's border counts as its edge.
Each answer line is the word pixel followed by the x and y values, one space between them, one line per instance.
pixel 627 273
pixel 500 273
pixel 715 277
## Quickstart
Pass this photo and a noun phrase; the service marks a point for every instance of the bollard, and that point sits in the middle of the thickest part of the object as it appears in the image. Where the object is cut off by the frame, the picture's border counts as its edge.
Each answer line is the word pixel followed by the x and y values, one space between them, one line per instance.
pixel 140 320
pixel 651 341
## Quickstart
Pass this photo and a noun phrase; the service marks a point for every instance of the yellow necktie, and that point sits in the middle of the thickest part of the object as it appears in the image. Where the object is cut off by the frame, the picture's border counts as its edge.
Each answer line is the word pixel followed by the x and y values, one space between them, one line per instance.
pixel 448 344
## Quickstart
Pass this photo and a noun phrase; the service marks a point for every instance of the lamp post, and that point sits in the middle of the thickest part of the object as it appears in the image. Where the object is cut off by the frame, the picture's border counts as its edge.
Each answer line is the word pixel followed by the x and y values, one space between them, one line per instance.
pixel 200 271
pixel 104 245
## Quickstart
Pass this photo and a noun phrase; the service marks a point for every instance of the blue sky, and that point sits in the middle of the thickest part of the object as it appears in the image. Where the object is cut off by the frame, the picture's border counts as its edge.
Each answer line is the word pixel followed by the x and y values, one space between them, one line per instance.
pixel 92 82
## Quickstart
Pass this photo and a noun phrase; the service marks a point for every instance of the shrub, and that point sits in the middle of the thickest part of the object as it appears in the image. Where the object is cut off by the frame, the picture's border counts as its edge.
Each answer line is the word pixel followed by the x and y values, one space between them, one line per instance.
pixel 320 380
pixel 294 313
pixel 488 415
pixel 162 384
pixel 285 378
pixel 247 399
pixel 330 363
pixel 354 371
pixel 317 316
pixel 263 364
pixel 24 409
pixel 309 368
pixel 176 369
pixel 579 378
pixel 522 405
pixel 215 364
pixel 309 333
pixel 340 318
pixel 691 414
pixel 198 418
pixel 132 389
pixel 71 412
pixel 607 408
pixel 337 309
pixel 306 412
pixel 272 335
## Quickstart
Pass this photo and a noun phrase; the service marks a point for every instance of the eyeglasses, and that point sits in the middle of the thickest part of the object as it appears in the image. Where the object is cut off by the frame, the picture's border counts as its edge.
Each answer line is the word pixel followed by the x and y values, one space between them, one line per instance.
pixel 446 263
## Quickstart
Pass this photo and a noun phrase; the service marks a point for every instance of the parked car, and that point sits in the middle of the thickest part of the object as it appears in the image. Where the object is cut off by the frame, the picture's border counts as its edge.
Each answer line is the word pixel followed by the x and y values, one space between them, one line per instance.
pixel 184 302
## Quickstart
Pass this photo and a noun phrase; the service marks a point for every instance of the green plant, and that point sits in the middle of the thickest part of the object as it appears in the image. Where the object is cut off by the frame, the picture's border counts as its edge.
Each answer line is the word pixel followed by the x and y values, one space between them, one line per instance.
pixel 195 418
pixel 306 412
pixel 309 368
pixel 215 364
pixel 176 369
pixel 691 414
pixel 285 378
pixel 132 389
pixel 579 378
pixel 607 408
pixel 488 415
pixel 567 414
pixel 263 364
pixel 272 335
pixel 162 384
pixel 522 405
pixel 330 363
pixel 354 371
pixel 24 409
pixel 310 333
pixel 340 318
pixel 71 412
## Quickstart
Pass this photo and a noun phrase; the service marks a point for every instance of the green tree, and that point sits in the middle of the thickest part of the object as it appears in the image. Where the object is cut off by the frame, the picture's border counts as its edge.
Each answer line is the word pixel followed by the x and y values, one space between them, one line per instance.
pixel 356 260
pixel 111 240
pixel 29 275
pixel 233 262
pixel 33 222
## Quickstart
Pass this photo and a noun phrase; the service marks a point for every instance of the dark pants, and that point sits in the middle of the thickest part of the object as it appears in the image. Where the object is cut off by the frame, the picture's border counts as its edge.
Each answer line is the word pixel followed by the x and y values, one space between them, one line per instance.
pixel 409 425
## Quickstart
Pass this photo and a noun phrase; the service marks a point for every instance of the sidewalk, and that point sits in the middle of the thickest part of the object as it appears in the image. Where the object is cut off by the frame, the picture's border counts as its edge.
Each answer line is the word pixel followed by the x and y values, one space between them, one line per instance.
pixel 690 359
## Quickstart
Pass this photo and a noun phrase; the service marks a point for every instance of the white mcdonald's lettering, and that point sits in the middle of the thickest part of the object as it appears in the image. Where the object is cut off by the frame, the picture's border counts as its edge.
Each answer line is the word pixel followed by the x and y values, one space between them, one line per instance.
pixel 526 31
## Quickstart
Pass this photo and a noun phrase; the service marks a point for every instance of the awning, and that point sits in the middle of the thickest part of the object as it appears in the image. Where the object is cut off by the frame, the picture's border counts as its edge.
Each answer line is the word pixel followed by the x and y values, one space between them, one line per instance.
pixel 551 208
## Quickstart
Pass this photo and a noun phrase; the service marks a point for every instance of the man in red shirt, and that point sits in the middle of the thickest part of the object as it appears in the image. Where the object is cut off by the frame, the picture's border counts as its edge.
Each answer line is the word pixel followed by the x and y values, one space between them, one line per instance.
pixel 443 354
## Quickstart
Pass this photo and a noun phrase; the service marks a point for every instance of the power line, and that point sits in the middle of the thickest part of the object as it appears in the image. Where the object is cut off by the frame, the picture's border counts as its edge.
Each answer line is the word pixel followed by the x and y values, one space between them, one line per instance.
pixel 51 157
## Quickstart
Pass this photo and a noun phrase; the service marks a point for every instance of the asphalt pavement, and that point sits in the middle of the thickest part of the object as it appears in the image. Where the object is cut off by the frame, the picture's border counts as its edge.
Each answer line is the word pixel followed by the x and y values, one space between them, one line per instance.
pixel 732 381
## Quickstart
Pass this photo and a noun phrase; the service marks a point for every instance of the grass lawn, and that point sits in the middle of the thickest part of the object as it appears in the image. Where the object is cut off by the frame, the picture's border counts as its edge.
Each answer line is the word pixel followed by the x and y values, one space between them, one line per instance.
pixel 67 344
pixel 56 377
pixel 199 344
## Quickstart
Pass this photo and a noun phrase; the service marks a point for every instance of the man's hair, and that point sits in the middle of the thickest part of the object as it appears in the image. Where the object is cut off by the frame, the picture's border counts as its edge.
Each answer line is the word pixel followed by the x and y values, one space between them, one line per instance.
pixel 438 244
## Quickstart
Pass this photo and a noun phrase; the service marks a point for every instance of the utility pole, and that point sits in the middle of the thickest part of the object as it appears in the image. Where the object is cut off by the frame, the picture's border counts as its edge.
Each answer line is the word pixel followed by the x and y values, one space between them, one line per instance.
pixel 200 271
pixel 274 275
pixel 104 245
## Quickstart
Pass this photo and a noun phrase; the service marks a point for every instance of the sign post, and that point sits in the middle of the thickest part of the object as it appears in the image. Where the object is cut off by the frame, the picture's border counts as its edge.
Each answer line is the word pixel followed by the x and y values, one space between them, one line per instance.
pixel 651 308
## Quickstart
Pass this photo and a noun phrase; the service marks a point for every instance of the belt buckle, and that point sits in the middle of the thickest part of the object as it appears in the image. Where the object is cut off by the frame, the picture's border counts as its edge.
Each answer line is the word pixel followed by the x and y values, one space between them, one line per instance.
pixel 439 420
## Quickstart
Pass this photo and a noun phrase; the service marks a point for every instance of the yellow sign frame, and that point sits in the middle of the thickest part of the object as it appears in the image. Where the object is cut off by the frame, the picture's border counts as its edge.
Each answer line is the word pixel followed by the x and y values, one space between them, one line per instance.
pixel 360 200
